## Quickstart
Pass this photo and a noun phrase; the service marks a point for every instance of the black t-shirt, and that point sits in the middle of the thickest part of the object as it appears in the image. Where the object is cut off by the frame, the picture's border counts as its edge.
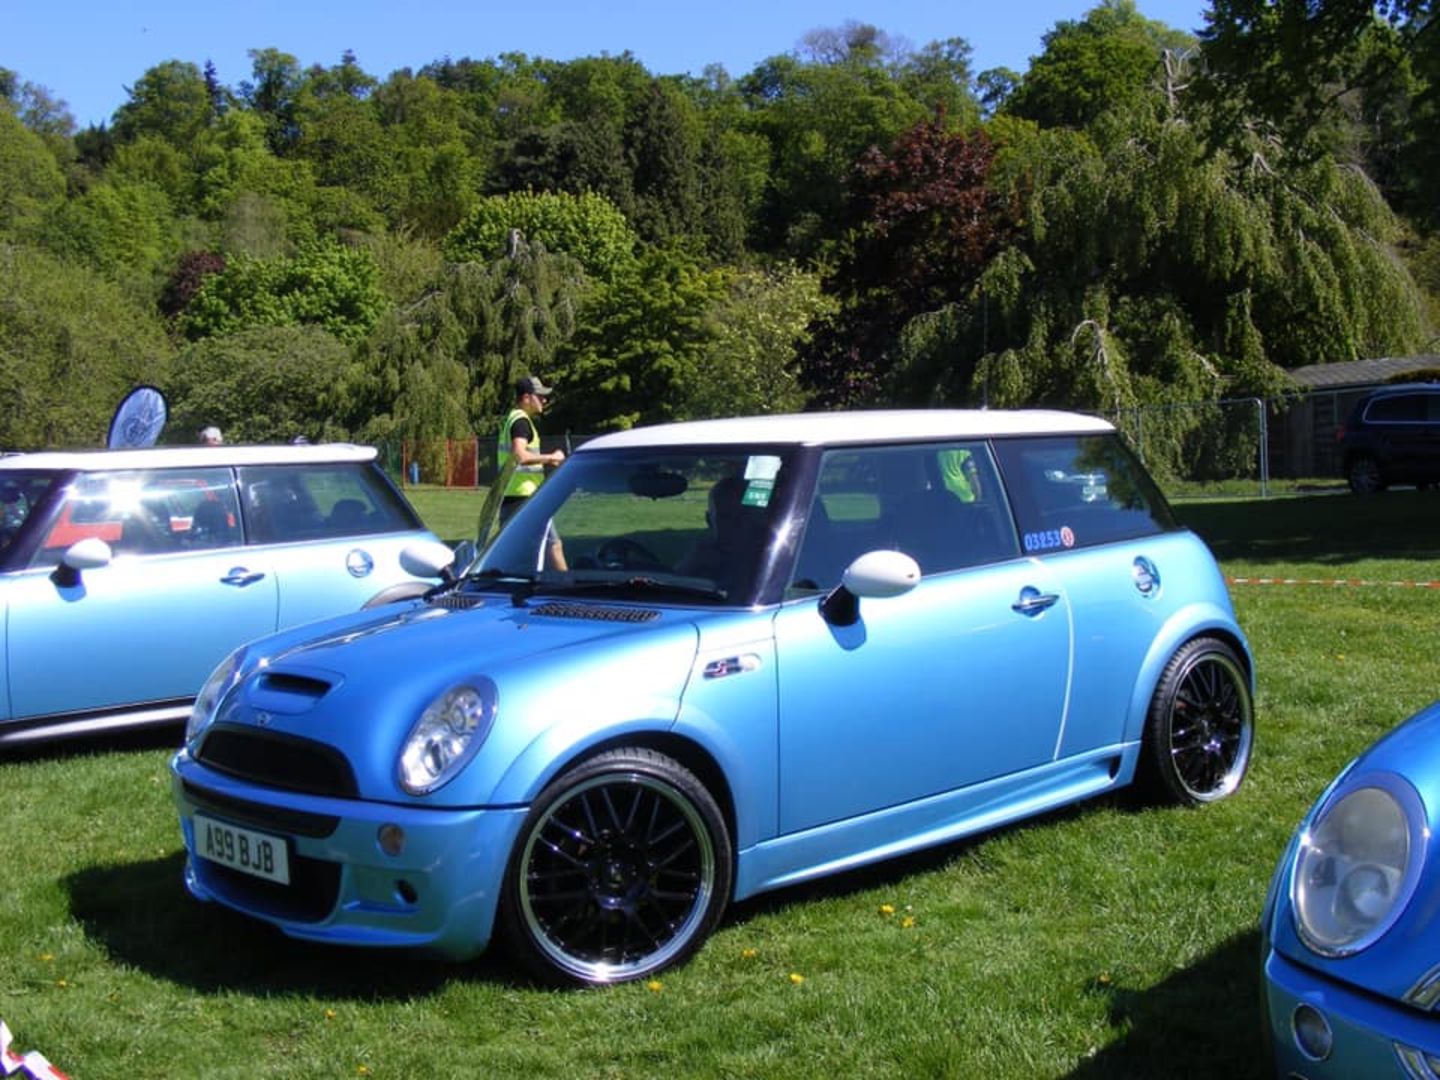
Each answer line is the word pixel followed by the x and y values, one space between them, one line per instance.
pixel 522 429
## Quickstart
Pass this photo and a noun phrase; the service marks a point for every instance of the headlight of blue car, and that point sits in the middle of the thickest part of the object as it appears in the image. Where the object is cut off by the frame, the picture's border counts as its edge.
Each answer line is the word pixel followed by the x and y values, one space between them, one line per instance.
pixel 445 738
pixel 1357 865
pixel 212 693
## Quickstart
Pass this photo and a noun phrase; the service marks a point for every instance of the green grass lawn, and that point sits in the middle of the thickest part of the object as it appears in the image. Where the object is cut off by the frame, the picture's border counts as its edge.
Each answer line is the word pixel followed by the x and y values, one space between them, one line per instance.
pixel 1108 940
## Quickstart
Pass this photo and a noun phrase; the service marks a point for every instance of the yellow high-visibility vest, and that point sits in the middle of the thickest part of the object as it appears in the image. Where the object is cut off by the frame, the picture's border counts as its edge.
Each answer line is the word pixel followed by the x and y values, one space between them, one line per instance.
pixel 526 478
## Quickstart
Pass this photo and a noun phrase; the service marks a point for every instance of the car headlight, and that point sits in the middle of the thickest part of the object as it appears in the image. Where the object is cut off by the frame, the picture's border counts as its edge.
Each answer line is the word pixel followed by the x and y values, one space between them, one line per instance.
pixel 208 700
pixel 446 737
pixel 1357 865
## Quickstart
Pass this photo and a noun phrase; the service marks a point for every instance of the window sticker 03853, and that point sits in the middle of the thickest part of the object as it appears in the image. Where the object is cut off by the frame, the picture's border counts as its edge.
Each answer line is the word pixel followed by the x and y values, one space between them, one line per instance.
pixel 1049 539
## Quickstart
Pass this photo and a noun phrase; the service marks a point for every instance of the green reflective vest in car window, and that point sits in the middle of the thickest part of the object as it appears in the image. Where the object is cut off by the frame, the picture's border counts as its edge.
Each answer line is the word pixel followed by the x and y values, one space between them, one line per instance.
pixel 526 478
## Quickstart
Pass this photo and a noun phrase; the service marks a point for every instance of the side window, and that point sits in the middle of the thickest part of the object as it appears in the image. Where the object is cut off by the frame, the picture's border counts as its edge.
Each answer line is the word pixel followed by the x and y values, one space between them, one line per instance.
pixel 1078 491
pixel 151 512
pixel 1396 409
pixel 287 503
pixel 943 505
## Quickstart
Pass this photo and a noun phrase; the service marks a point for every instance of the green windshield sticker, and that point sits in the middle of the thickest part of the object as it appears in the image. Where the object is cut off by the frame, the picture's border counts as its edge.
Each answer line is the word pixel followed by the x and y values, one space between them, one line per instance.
pixel 757 493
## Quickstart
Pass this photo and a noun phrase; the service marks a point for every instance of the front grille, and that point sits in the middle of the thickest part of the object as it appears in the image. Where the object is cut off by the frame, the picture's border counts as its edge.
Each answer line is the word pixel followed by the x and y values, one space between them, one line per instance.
pixel 311 895
pixel 272 759
pixel 260 816
pixel 561 610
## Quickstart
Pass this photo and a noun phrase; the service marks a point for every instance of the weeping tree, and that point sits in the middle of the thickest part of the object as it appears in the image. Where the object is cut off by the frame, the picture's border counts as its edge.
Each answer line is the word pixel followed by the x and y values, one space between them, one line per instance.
pixel 440 366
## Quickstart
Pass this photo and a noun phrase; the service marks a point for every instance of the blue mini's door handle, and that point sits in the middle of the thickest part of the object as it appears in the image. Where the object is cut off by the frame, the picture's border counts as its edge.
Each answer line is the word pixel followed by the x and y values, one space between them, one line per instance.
pixel 239 575
pixel 1032 601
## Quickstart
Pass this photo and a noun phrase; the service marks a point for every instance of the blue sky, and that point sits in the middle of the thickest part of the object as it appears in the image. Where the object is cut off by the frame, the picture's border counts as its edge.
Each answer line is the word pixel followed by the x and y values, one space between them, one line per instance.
pixel 88 52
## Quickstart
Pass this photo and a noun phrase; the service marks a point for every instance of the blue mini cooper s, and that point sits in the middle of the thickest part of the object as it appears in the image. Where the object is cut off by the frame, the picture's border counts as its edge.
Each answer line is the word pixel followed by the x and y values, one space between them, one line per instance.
pixel 711 659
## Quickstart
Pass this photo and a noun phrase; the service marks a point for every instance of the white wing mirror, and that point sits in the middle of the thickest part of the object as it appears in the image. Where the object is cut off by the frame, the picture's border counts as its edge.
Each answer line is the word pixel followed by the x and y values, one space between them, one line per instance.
pixel 88 554
pixel 428 558
pixel 876 574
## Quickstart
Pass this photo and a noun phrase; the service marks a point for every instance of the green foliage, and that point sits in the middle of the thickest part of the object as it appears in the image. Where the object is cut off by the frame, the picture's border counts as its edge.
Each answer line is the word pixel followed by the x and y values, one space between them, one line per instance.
pixel 1111 59
pixel 440 364
pixel 639 342
pixel 117 228
pixel 31 183
pixel 586 227
pixel 759 322
pixel 72 343
pixel 327 285
pixel 260 385
pixel 170 102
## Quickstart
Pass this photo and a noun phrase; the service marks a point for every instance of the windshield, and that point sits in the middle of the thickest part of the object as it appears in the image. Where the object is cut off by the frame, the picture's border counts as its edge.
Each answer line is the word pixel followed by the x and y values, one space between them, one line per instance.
pixel 695 523
pixel 20 492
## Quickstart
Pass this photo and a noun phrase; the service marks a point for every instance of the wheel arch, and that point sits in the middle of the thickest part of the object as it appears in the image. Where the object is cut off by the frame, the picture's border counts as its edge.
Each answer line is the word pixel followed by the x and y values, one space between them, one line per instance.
pixel 686 752
pixel 1184 628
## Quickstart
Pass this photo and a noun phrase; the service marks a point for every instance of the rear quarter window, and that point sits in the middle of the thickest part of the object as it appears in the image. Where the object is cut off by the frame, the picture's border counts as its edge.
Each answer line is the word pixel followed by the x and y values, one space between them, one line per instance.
pixel 1077 491
pixel 288 503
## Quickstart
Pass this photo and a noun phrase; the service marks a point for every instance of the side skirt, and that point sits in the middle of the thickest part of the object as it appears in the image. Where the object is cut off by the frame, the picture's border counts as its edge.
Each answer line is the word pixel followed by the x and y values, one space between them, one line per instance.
pixel 97 722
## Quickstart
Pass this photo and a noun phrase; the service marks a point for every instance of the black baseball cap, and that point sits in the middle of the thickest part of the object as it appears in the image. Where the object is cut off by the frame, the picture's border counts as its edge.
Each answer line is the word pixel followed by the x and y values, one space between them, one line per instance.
pixel 527 384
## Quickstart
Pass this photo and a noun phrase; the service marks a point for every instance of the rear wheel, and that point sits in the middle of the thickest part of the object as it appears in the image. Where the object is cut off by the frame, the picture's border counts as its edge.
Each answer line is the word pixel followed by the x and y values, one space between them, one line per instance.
pixel 1200 726
pixel 1363 473
pixel 622 869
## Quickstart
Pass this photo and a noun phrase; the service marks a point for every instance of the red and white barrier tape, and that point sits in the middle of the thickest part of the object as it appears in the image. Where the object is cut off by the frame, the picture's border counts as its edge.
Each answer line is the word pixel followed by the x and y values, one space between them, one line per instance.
pixel 35 1064
pixel 1333 582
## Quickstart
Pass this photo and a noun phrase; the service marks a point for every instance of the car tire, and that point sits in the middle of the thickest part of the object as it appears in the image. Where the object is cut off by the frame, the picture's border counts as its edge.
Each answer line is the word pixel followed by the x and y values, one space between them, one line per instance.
pixel 1200 726
pixel 1363 475
pixel 622 868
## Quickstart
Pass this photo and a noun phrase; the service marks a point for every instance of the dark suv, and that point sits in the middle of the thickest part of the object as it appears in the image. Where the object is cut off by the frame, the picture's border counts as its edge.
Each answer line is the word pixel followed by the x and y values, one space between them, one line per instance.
pixel 1392 436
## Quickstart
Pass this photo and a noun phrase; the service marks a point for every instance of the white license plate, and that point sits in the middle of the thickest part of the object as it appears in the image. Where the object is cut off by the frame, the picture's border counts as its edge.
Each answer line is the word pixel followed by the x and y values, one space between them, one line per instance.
pixel 245 850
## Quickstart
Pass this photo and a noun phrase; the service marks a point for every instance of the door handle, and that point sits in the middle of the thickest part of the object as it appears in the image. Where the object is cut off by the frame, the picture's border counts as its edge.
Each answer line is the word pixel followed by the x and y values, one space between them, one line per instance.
pixel 239 575
pixel 1032 601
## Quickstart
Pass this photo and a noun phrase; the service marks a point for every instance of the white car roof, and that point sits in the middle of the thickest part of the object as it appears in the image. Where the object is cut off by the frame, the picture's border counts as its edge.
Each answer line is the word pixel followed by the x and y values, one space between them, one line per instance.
pixel 846 428
pixel 188 457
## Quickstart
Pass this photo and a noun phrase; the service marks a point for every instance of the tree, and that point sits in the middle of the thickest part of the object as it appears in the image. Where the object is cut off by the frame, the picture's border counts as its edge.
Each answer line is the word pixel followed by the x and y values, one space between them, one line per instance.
pixel 1109 60
pixel 638 345
pixel 261 385
pixel 586 227
pixel 31 183
pixel 72 343
pixel 325 285
pixel 759 323
pixel 171 101
pixel 923 224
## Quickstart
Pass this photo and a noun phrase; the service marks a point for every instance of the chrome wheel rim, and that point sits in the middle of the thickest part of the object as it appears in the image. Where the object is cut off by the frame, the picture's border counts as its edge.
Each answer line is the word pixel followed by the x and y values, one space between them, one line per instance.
pixel 616 877
pixel 1210 727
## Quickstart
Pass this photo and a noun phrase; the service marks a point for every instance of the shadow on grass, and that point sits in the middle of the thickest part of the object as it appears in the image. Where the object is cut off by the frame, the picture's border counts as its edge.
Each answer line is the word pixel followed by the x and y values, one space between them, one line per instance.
pixel 1202 1021
pixel 159 737
pixel 141 915
pixel 1330 530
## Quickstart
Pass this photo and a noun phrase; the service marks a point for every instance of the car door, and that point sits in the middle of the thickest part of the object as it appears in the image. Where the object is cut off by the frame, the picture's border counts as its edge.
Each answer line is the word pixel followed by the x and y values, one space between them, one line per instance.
pixel 177 596
pixel 960 680
pixel 332 532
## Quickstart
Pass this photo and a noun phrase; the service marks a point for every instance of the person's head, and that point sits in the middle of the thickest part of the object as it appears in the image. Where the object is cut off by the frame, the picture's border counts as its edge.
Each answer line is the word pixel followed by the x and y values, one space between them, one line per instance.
pixel 530 394
pixel 210 436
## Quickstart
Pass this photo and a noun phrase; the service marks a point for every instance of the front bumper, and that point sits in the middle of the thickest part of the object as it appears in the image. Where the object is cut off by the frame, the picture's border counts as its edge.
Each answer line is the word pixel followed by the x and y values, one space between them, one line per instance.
pixel 440 892
pixel 1371 1036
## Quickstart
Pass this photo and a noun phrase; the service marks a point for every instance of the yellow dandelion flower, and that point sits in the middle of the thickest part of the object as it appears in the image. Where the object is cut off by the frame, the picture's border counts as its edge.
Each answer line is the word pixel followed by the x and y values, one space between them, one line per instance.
pixel 749 954
pixel 796 978
pixel 1103 978
pixel 907 922
pixel 46 957
pixel 362 1070
pixel 654 986
pixel 329 1014
pixel 887 909
pixel 62 983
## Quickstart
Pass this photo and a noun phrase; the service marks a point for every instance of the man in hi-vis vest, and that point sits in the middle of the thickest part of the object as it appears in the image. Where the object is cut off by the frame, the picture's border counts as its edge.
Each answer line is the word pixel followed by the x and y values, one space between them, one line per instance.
pixel 520 438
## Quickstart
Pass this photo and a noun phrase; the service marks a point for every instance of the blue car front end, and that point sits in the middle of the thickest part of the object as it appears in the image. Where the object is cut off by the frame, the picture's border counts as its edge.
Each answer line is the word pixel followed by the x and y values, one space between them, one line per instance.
pixel 1350 939
pixel 369 862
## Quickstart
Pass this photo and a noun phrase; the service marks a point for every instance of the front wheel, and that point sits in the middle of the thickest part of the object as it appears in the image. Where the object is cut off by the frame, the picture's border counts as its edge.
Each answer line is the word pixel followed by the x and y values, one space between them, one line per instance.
pixel 622 869
pixel 1200 726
